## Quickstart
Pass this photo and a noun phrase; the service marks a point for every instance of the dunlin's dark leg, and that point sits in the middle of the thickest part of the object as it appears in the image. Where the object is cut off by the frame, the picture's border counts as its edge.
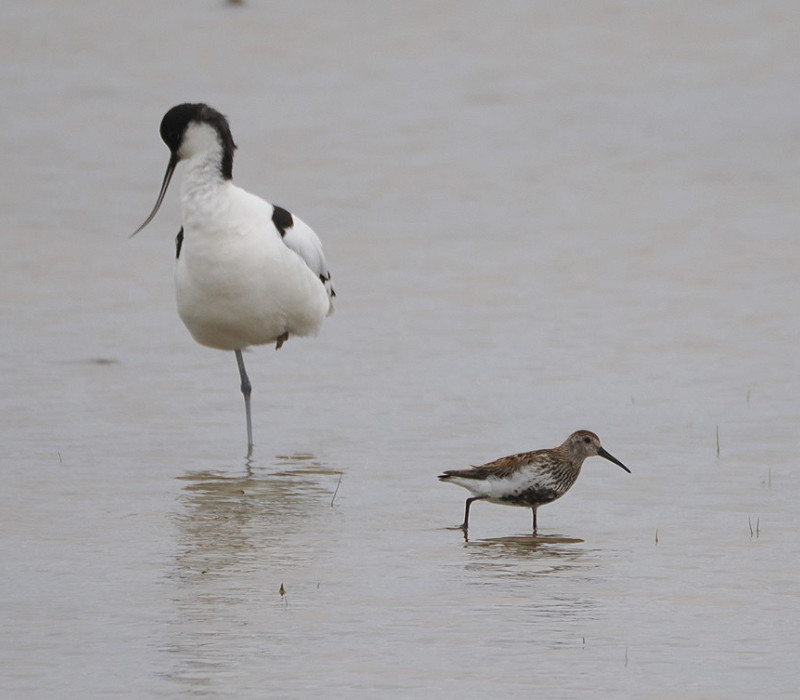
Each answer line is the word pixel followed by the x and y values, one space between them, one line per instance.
pixel 465 525
pixel 246 389
pixel 533 508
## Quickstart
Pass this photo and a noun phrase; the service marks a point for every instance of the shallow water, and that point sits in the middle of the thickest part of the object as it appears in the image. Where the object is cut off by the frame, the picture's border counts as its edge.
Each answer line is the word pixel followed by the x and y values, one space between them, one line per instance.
pixel 539 218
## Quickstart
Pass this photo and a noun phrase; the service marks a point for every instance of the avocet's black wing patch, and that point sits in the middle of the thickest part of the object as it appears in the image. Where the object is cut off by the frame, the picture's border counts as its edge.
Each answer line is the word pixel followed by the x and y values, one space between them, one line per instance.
pixel 178 243
pixel 325 278
pixel 282 219
pixel 297 236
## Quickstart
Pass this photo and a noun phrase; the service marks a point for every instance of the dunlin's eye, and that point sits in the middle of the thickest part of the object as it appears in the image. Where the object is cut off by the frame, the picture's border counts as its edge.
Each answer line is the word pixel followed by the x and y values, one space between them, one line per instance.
pixel 587 439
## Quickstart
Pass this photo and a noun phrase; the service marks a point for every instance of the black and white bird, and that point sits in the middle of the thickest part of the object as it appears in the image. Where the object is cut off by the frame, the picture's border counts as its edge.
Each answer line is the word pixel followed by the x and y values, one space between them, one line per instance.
pixel 248 272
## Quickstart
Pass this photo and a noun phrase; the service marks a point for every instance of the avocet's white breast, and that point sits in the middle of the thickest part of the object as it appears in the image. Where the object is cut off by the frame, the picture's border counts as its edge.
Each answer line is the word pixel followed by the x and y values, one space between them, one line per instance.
pixel 237 282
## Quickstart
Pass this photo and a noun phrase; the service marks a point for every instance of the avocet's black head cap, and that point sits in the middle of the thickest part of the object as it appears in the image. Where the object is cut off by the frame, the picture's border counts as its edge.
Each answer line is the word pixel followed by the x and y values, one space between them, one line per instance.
pixel 177 120
pixel 173 127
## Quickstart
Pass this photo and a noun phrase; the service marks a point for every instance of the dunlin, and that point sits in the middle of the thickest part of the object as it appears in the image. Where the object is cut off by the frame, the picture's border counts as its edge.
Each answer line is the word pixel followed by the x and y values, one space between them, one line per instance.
pixel 529 479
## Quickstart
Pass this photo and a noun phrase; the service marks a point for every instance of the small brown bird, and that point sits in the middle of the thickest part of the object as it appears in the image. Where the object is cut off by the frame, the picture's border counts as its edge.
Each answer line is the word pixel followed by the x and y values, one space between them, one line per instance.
pixel 529 479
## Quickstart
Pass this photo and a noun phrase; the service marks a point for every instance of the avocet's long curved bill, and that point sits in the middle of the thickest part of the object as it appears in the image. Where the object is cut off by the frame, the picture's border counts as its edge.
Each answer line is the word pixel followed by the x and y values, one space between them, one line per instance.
pixel 611 458
pixel 173 161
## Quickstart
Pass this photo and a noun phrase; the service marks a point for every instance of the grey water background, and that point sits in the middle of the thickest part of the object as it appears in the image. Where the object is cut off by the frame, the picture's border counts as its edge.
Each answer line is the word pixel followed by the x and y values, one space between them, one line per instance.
pixel 540 217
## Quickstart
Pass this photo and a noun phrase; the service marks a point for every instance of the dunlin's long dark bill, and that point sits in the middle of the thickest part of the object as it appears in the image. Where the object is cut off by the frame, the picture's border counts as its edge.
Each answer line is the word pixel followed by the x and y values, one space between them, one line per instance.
pixel 611 458
pixel 173 161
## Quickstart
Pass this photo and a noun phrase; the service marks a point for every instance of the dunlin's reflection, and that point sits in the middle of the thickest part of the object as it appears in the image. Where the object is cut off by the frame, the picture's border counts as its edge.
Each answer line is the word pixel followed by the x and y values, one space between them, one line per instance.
pixel 525 555
pixel 544 578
